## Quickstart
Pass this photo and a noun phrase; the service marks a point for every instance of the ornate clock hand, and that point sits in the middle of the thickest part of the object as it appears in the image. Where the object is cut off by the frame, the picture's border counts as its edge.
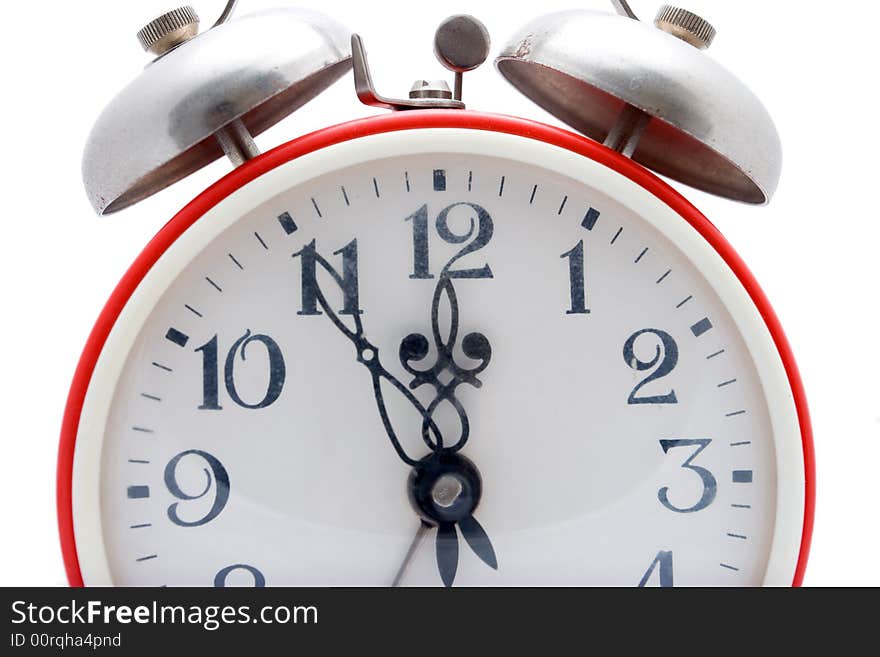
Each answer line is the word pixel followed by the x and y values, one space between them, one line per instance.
pixel 368 355
pixel 444 487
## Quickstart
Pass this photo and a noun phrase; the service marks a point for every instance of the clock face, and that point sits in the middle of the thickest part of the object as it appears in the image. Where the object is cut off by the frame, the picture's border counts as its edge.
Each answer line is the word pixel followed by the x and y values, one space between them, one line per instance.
pixel 439 357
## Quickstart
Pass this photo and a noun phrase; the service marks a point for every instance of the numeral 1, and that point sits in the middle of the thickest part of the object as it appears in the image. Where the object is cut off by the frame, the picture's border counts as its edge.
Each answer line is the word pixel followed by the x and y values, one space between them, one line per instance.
pixel 421 263
pixel 576 278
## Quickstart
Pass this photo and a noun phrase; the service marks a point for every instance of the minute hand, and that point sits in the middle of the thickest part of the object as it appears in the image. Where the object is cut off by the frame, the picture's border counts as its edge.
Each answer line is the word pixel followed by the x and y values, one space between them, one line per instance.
pixel 368 355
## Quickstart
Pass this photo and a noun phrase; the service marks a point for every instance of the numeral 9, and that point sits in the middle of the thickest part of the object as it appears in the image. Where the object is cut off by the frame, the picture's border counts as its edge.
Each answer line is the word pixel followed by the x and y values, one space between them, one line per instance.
pixel 217 478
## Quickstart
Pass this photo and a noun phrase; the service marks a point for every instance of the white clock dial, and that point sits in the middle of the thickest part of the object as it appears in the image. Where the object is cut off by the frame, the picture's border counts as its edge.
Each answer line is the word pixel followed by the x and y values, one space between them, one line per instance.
pixel 585 349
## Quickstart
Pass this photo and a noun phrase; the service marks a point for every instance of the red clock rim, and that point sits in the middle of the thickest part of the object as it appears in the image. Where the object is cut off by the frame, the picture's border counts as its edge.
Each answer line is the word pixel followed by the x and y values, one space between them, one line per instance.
pixel 388 123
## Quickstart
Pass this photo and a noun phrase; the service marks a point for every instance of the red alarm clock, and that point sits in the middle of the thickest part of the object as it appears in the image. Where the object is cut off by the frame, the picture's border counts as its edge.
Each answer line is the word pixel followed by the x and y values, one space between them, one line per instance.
pixel 436 347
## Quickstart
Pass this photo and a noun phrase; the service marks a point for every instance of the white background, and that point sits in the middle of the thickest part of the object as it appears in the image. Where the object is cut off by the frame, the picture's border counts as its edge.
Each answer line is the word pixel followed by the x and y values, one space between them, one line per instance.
pixel 813 249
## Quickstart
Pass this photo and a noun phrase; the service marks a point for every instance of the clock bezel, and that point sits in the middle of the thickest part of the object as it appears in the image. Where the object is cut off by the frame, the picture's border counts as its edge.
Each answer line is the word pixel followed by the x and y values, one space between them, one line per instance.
pixel 442 119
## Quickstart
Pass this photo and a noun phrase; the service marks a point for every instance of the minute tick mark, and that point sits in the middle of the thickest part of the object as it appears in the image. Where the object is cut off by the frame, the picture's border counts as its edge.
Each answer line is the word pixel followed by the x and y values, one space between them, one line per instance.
pixel 663 277
pixel 616 235
pixel 237 263
pixel 152 397
pixel 317 209
pixel 641 255
pixel 146 558
pixel 532 197
pixel 162 367
pixel 344 195
pixel 562 205
pixel 213 284
pixel 717 353
pixel 192 310
pixel 726 383
pixel 729 567
pixel 470 179
pixel 685 300
pixel 501 187
pixel 260 240
pixel 376 188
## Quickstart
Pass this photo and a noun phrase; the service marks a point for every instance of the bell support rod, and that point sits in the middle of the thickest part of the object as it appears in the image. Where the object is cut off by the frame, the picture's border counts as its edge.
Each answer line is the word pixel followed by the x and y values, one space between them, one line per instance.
pixel 627 130
pixel 237 143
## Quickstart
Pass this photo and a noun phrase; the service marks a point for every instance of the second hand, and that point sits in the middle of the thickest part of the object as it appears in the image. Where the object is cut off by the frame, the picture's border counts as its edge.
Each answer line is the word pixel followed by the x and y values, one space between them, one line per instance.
pixel 413 548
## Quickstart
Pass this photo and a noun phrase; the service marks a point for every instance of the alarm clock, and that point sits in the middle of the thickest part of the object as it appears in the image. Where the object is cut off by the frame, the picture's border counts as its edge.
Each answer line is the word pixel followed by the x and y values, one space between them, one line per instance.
pixel 436 347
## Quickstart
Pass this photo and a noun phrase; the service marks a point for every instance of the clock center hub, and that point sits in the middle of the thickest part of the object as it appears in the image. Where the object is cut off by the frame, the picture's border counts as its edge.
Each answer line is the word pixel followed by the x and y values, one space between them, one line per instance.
pixel 444 487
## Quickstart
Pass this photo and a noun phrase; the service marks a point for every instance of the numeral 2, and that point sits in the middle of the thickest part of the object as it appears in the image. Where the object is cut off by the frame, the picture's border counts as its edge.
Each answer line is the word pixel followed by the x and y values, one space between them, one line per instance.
pixel 665 361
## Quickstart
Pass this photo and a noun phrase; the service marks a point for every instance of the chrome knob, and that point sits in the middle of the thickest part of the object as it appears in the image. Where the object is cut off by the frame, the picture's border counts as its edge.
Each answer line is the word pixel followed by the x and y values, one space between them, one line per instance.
pixel 169 30
pixel 686 25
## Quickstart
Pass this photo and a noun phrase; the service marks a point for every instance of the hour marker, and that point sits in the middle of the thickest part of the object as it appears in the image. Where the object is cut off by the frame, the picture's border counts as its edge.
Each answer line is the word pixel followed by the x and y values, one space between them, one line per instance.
pixel 153 397
pixel 146 558
pixel 315 205
pixel 641 255
pixel 213 284
pixel 162 367
pixel 260 240
pixel 660 280
pixel 616 235
pixel 742 476
pixel 143 524
pixel 344 195
pixel 590 218
pixel 729 567
pixel 439 180
pixel 501 187
pixel 177 337
pixel 562 205
pixel 701 327
pixel 138 492
pixel 237 263
pixel 716 353
pixel 733 413
pixel 192 310
pixel 532 197
pixel 376 187
pixel 287 223
pixel 684 301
